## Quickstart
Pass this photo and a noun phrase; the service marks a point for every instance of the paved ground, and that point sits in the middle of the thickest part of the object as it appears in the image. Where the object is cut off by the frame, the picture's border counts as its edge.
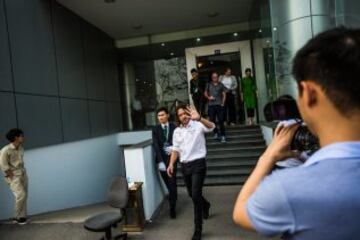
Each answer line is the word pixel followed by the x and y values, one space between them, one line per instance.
pixel 60 226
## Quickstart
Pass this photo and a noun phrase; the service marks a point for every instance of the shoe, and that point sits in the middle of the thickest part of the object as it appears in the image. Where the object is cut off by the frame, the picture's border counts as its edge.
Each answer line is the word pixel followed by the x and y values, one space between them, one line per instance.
pixel 197 233
pixel 172 213
pixel 216 136
pixel 206 211
pixel 223 139
pixel 21 221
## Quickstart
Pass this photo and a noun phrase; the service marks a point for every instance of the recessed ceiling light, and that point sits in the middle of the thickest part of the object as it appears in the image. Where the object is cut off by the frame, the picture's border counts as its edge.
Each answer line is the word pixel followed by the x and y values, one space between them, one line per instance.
pixel 138 27
pixel 213 14
pixel 275 28
pixel 198 39
pixel 260 30
pixel 163 44
pixel 172 54
pixel 235 34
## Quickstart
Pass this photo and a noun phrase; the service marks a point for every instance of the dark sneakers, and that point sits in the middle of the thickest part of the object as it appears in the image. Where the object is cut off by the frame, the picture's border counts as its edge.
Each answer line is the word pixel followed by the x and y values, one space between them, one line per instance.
pixel 21 221
pixel 172 213
pixel 206 211
pixel 197 233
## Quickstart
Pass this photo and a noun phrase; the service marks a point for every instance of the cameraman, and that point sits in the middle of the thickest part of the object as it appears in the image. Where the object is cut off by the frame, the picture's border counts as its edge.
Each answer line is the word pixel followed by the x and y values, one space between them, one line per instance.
pixel 321 198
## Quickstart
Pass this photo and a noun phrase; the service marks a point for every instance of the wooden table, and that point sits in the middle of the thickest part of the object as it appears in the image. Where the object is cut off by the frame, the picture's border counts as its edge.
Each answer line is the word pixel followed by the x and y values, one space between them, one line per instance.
pixel 134 219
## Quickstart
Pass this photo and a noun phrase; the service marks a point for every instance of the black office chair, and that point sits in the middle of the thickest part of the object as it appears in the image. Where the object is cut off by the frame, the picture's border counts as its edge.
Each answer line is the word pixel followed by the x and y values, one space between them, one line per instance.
pixel 118 196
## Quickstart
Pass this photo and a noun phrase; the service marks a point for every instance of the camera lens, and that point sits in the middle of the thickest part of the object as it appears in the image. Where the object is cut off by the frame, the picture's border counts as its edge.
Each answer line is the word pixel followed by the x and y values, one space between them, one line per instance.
pixel 304 140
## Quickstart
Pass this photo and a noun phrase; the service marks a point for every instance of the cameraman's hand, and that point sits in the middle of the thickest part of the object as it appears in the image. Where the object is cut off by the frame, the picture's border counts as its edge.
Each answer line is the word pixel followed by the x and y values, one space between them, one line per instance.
pixel 279 149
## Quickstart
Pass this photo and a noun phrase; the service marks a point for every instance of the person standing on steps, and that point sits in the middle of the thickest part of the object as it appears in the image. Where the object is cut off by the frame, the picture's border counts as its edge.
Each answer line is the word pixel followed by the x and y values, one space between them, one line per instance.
pixel 197 92
pixel 189 146
pixel 216 94
pixel 249 95
pixel 231 85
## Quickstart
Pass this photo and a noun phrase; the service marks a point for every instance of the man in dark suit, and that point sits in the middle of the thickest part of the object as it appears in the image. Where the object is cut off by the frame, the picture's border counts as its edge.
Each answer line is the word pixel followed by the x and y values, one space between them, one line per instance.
pixel 162 136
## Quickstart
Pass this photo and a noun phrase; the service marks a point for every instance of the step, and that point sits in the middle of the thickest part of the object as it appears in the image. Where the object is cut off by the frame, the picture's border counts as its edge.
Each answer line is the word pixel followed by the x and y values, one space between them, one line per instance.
pixel 243 127
pixel 216 152
pixel 228 148
pixel 239 156
pixel 216 181
pixel 236 137
pixel 241 132
pixel 225 172
pixel 236 143
pixel 225 163
pixel 231 162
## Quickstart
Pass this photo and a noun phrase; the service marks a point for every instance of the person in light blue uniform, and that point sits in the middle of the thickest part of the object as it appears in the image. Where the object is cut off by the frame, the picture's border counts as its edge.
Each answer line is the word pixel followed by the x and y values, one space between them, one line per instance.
pixel 321 198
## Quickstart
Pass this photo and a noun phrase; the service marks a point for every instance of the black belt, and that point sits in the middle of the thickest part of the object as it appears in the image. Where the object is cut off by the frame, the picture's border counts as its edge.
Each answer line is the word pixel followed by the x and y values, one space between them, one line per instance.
pixel 193 161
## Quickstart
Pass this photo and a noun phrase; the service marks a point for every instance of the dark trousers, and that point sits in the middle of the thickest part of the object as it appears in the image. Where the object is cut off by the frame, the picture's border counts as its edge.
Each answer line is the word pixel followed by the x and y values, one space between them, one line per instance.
pixel 216 112
pixel 199 103
pixel 230 110
pixel 194 175
pixel 171 185
pixel 250 112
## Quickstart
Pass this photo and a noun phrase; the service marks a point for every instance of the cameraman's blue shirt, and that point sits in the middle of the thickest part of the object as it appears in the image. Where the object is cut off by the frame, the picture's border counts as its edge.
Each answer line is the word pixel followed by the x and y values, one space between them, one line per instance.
pixel 318 200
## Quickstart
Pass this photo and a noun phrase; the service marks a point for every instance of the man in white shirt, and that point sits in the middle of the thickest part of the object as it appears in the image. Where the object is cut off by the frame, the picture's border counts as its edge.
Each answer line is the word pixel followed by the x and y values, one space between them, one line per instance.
pixel 231 85
pixel 189 146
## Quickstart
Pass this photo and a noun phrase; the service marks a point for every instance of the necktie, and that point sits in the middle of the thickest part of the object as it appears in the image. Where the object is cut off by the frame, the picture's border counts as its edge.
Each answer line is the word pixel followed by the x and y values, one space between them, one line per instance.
pixel 165 132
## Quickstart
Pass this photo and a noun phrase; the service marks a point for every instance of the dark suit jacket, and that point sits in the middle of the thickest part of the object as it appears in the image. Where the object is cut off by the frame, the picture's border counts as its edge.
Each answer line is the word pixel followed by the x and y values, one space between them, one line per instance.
pixel 159 140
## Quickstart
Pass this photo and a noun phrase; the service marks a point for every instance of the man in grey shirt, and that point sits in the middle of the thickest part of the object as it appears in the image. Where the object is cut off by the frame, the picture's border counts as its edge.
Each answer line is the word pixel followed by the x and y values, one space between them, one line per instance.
pixel 216 94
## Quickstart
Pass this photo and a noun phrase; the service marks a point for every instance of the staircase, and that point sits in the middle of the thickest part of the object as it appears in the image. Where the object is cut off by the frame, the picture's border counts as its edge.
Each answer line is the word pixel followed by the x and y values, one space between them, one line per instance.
pixel 231 163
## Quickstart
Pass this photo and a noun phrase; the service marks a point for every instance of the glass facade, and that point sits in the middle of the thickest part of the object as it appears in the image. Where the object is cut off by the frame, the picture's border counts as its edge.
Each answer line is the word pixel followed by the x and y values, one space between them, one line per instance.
pixel 157 74
pixel 294 22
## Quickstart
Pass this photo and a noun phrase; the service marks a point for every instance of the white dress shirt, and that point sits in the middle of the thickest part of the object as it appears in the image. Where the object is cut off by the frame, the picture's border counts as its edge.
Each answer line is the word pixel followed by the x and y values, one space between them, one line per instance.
pixel 190 142
pixel 227 81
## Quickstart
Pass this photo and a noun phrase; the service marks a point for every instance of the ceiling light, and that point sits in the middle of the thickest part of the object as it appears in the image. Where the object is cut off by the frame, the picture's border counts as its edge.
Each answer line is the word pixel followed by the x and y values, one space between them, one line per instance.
pixel 172 54
pixel 235 34
pixel 213 14
pixel 163 44
pixel 275 28
pixel 260 30
pixel 198 39
pixel 138 27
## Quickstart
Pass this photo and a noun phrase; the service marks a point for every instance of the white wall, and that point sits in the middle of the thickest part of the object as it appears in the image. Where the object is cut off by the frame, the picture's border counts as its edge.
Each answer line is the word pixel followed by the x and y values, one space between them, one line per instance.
pixel 127 138
pixel 67 175
pixel 140 167
pixel 71 174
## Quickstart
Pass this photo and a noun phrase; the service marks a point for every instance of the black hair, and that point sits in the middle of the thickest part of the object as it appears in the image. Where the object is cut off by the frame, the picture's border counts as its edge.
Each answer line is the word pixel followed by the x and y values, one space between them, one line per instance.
pixel 13 133
pixel 193 70
pixel 162 109
pixel 248 70
pixel 332 60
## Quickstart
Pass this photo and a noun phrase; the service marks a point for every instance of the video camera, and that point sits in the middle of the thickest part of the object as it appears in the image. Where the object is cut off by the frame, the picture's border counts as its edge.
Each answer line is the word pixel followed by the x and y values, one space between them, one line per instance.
pixel 285 109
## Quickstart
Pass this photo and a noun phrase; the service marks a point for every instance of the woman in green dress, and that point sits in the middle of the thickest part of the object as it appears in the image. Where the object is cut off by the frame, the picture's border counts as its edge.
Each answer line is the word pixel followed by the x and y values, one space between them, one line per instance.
pixel 249 95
